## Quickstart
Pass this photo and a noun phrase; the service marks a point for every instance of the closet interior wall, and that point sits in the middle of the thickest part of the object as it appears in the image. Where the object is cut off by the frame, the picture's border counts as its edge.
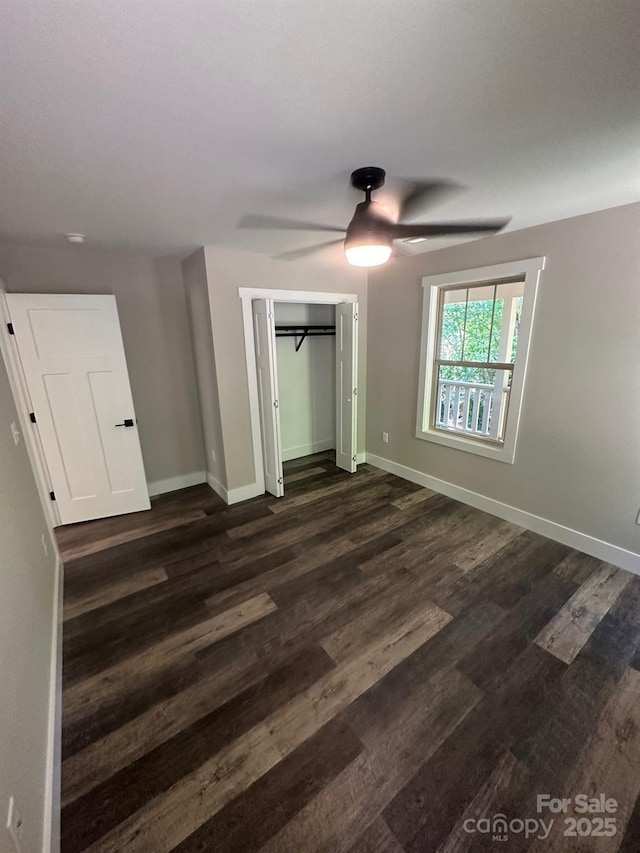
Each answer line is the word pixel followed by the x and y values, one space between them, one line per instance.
pixel 307 382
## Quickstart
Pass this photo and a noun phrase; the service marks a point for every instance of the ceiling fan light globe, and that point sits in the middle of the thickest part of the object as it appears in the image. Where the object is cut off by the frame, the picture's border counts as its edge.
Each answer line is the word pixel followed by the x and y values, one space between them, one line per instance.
pixel 368 256
pixel 368 242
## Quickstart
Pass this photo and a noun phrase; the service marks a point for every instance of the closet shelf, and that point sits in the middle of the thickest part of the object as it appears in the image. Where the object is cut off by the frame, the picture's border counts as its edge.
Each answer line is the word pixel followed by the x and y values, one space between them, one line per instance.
pixel 303 331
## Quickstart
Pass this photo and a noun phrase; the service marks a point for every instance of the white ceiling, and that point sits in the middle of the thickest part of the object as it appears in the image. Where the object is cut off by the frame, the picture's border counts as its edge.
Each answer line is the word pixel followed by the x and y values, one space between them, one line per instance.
pixel 158 124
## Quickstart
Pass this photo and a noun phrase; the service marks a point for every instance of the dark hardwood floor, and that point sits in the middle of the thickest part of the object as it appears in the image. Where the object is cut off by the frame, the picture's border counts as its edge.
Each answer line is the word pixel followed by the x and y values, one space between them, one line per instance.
pixel 361 666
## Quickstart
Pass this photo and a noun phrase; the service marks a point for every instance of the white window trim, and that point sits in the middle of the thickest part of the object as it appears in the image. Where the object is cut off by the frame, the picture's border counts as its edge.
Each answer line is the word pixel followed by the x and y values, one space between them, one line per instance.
pixel 530 269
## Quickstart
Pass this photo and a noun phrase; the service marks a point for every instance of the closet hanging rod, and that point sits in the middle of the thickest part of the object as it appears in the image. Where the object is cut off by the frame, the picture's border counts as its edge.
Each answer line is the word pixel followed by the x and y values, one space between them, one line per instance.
pixel 302 327
pixel 303 331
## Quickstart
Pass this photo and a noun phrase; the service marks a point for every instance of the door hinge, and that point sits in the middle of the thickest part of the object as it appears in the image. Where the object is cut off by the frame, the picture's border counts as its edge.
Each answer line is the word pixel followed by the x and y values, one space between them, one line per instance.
pixel 52 495
pixel 355 316
pixel 355 458
pixel 10 328
pixel 275 404
pixel 32 417
pixel 355 391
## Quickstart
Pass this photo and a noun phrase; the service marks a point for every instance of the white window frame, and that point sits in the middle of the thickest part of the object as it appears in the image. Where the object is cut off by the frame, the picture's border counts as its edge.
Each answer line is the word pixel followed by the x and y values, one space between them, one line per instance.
pixel 529 270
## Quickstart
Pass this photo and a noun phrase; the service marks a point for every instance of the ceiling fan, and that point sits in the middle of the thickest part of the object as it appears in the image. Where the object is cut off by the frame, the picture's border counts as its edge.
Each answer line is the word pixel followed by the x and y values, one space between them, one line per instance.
pixel 370 234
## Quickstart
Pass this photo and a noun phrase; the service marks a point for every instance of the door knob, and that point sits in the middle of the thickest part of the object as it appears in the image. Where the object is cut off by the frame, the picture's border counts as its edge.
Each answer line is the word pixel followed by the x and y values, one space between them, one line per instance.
pixel 128 422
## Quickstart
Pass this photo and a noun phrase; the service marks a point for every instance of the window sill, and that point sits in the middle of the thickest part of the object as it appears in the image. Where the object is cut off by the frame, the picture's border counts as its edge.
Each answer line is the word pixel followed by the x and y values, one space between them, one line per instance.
pixel 500 453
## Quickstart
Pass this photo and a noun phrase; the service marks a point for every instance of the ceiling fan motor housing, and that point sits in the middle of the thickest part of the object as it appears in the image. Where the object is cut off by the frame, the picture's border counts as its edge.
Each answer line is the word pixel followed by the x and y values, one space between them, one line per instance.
pixel 368 227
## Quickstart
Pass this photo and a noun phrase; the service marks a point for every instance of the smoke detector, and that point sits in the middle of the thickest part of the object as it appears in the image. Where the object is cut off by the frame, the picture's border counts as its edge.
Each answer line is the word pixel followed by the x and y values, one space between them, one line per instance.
pixel 75 238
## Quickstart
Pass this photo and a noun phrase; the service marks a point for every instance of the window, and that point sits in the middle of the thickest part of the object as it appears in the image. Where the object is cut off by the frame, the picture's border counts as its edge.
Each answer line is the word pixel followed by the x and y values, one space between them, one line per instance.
pixel 475 342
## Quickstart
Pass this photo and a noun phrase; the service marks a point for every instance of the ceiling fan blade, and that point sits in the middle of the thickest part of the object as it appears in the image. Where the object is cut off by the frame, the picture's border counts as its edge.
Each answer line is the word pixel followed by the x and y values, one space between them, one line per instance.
pixel 303 253
pixel 420 194
pixel 444 229
pixel 276 224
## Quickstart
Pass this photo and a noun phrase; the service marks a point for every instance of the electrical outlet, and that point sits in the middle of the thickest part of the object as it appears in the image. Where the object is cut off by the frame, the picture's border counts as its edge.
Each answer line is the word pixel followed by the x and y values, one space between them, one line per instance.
pixel 638 519
pixel 15 432
pixel 45 547
pixel 213 455
pixel 15 825
pixel 385 438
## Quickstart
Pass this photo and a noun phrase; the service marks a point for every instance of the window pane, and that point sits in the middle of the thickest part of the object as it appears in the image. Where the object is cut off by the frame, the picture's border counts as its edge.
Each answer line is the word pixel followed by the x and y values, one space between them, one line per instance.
pixel 472 401
pixel 504 340
pixel 516 327
pixel 480 323
pixel 483 315
pixel 469 321
pixel 453 322
pixel 496 328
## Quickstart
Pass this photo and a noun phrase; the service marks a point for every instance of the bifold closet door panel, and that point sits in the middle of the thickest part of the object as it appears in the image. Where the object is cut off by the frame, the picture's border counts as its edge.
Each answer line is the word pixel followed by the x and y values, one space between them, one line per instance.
pixel 265 345
pixel 346 384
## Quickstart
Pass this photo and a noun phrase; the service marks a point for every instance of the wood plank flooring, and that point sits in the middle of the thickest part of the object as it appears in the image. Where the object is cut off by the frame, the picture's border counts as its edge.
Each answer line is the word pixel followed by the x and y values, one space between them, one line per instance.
pixel 362 666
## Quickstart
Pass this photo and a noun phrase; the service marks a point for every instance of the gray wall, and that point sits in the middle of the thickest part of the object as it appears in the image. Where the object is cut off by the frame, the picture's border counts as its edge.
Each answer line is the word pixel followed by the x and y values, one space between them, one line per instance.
pixel 27 619
pixel 227 270
pixel 153 316
pixel 194 273
pixel 577 459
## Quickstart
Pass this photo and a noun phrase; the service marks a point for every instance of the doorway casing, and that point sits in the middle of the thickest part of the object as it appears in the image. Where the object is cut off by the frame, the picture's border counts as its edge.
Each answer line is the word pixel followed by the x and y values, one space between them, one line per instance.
pixel 247 295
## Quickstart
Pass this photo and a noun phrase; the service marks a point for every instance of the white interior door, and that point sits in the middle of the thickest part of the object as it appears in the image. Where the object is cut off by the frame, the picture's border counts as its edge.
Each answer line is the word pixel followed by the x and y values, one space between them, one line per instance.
pixel 74 365
pixel 346 384
pixel 265 340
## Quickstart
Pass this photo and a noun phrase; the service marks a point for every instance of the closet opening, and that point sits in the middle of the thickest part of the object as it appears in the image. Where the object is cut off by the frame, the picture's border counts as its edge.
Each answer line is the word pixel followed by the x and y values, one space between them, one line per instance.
pixel 305 356
pixel 306 366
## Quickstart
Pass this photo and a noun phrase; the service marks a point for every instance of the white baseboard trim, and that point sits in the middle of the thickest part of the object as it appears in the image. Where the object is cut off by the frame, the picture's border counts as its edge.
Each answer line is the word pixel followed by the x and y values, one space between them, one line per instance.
pixel 234 496
pixel 244 493
pixel 308 449
pixel 253 490
pixel 551 529
pixel 217 487
pixel 172 484
pixel 52 803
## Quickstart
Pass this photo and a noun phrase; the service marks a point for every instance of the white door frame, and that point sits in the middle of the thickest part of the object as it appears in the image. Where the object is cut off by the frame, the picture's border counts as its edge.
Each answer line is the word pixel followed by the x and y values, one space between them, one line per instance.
pixel 247 295
pixel 29 430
